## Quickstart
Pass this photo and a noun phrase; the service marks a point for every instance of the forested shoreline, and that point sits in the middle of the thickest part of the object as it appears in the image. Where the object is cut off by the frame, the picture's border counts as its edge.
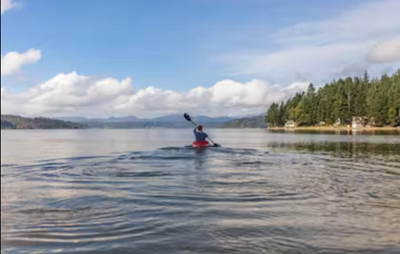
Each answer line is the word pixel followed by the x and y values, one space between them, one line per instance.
pixel 374 102
pixel 17 122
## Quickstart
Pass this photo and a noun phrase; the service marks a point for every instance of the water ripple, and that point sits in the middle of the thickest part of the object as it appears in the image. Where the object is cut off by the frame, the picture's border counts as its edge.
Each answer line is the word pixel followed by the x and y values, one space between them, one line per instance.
pixel 183 200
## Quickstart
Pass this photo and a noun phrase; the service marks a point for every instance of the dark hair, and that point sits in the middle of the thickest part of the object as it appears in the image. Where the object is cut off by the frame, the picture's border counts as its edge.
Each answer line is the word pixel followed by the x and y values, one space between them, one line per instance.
pixel 200 128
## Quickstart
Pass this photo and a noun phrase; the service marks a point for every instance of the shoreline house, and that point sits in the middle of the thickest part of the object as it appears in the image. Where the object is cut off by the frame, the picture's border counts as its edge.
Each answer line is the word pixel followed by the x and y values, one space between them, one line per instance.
pixel 290 124
pixel 338 123
pixel 358 122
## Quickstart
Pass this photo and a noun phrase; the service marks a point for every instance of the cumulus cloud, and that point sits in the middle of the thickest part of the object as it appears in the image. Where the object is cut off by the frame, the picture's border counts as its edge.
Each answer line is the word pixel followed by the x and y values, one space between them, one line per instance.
pixel 66 93
pixel 302 62
pixel 6 5
pixel 12 62
pixel 72 90
pixel 363 22
pixel 386 51
pixel 326 49
pixel 4 94
pixel 76 95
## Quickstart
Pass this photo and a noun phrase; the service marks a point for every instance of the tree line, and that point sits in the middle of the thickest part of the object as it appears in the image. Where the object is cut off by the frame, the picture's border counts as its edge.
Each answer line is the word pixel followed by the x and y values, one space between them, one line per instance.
pixel 18 122
pixel 376 102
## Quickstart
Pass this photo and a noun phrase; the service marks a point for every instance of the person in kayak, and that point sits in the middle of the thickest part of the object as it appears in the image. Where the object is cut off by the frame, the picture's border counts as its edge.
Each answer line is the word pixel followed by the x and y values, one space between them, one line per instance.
pixel 200 136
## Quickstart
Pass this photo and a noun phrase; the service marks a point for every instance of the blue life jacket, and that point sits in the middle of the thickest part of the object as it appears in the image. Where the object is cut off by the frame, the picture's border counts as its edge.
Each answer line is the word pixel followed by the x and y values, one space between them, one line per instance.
pixel 200 136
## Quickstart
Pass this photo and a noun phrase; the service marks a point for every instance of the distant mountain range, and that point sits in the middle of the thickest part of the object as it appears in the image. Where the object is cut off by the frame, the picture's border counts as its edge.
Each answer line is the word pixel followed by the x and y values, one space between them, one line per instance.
pixel 169 121
pixel 129 122
pixel 102 120
pixel 168 118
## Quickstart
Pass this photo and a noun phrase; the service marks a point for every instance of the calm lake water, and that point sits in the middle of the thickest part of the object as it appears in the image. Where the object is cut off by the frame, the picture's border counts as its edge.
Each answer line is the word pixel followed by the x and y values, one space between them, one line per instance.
pixel 145 191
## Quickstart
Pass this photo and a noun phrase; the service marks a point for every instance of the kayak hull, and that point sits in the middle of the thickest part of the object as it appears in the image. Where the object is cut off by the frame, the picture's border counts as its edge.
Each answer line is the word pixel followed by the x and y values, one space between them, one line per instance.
pixel 200 144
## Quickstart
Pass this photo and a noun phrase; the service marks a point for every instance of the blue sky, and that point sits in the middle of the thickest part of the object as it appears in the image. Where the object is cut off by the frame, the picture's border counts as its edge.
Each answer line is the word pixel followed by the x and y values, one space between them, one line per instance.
pixel 170 44
pixel 179 45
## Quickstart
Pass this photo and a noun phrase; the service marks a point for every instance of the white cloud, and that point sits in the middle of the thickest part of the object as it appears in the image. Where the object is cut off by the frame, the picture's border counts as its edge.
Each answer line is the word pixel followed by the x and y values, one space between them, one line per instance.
pixel 72 90
pixel 386 51
pixel 6 5
pixel 12 62
pixel 226 97
pixel 4 94
pixel 303 62
pixel 66 93
pixel 75 95
pixel 326 49
pixel 364 22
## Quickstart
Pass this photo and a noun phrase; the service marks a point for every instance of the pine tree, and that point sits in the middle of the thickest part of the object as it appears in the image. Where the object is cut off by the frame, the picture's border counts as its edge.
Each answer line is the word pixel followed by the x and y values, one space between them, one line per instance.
pixel 341 107
pixel 379 104
pixel 273 115
pixel 393 118
pixel 377 99
pixel 366 79
pixel 359 100
pixel 282 115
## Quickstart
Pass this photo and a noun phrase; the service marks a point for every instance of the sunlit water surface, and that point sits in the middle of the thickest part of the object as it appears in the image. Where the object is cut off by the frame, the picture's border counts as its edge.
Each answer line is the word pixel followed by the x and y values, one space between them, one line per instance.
pixel 145 191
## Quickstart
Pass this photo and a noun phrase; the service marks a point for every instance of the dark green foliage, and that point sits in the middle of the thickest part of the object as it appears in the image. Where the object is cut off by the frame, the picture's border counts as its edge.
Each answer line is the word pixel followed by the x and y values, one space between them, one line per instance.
pixel 273 115
pixel 249 122
pixel 6 125
pixel 18 122
pixel 393 117
pixel 377 100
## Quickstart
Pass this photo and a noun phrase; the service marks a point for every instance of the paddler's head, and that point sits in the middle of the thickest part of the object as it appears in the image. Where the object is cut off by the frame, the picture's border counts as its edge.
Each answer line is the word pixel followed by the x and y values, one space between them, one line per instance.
pixel 200 128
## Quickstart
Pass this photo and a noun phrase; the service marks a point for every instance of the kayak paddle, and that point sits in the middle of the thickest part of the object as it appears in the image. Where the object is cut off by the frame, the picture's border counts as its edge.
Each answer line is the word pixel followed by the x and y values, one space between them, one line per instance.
pixel 187 117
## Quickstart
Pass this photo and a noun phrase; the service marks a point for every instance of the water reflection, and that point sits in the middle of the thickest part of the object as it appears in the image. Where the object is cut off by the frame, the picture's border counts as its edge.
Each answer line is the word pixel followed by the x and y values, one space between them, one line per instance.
pixel 342 149
pixel 393 132
pixel 287 193
pixel 342 142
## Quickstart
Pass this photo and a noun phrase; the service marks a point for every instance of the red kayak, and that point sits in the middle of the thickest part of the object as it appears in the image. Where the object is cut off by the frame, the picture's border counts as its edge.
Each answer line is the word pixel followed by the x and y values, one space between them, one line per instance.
pixel 201 144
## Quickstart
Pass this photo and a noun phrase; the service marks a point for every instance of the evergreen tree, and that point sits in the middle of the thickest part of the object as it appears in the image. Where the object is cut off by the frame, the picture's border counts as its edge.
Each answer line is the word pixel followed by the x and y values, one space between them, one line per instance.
pixel 377 99
pixel 282 115
pixel 379 104
pixel 273 115
pixel 359 101
pixel 393 118
pixel 366 79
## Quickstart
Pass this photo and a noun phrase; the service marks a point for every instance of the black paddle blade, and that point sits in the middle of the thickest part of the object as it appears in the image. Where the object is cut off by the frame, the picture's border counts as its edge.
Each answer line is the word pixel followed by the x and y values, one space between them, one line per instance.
pixel 217 145
pixel 187 117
